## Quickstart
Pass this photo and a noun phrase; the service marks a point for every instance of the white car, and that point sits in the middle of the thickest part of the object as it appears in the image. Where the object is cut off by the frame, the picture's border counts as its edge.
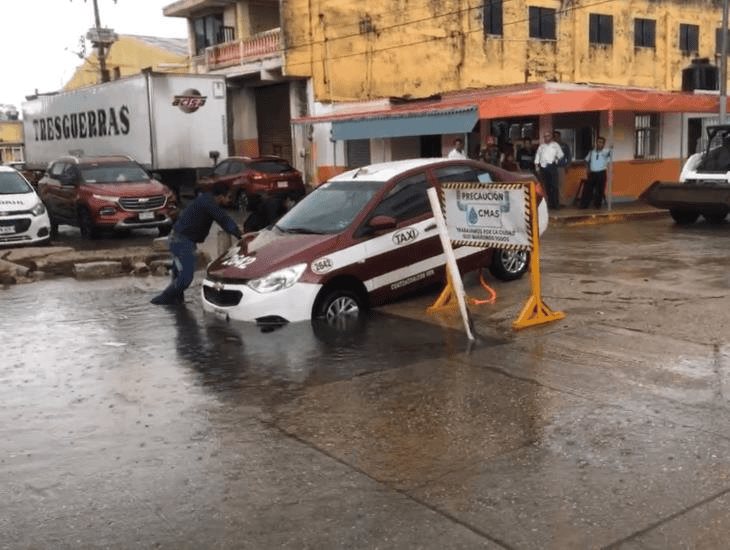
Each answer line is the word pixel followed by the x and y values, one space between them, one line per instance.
pixel 23 216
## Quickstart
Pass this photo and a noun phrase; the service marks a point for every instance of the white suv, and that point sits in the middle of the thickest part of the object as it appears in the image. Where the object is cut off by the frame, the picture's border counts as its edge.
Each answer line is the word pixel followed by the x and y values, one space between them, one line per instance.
pixel 23 217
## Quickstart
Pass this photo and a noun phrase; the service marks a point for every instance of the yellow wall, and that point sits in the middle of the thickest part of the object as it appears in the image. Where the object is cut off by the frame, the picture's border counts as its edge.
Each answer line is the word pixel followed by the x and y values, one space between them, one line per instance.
pixel 131 55
pixel 11 131
pixel 412 52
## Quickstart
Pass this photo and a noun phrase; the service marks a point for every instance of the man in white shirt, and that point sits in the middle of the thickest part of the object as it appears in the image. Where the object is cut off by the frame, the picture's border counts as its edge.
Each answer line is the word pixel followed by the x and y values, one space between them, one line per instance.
pixel 546 163
pixel 458 151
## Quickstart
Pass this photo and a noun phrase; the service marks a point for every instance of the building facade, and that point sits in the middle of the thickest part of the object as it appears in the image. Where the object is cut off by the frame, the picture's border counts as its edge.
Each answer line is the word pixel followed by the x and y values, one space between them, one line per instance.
pixel 241 39
pixel 129 55
pixel 621 59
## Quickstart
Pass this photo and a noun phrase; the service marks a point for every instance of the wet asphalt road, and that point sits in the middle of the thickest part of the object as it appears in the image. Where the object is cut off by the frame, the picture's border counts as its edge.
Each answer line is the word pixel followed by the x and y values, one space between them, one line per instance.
pixel 124 425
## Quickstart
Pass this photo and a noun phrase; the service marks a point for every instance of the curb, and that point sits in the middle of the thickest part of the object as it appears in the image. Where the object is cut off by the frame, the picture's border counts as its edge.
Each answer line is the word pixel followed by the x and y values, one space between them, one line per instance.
pixel 607 217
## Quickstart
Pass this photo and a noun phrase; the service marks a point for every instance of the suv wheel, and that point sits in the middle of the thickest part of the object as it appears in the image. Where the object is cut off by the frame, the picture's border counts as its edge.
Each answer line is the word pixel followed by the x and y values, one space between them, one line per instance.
pixel 86 225
pixel 54 228
pixel 509 265
pixel 164 230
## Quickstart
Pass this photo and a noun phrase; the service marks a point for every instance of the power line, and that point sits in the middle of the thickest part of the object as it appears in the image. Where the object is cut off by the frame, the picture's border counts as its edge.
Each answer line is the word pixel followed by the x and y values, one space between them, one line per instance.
pixel 429 39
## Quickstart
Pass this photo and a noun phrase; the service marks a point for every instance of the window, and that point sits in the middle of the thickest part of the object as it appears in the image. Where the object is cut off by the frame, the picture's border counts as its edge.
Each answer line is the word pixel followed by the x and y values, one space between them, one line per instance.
pixel 644 33
pixel 406 200
pixel 718 41
pixel 57 169
pixel 208 32
pixel 493 17
pixel 542 23
pixel 462 174
pixel 600 29
pixel 222 168
pixel 647 136
pixel 689 38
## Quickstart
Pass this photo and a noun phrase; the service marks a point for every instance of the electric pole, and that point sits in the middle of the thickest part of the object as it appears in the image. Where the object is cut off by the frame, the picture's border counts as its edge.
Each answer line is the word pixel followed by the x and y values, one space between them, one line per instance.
pixel 101 39
pixel 723 64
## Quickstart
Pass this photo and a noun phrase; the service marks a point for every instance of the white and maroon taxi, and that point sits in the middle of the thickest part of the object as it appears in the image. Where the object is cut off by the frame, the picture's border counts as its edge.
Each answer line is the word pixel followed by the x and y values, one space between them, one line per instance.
pixel 363 238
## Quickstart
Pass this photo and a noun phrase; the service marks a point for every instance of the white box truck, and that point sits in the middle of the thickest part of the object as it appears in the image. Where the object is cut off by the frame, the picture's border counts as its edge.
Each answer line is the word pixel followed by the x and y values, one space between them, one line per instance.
pixel 172 124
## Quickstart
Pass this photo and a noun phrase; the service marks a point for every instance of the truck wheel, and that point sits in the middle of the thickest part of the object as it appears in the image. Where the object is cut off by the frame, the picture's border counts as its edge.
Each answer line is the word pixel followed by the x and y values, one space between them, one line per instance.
pixel 86 225
pixel 715 217
pixel 340 303
pixel 509 265
pixel 683 217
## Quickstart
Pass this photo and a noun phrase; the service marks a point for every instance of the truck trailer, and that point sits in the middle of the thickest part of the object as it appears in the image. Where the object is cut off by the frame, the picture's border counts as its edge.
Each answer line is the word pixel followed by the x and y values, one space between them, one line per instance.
pixel 172 124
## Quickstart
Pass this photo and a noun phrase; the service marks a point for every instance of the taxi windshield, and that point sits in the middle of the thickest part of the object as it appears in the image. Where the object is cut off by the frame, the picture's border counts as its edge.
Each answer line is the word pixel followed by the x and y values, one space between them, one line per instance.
pixel 330 208
pixel 12 183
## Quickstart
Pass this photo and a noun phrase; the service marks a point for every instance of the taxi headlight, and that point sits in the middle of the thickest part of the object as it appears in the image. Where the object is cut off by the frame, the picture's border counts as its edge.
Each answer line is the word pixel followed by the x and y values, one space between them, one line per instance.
pixel 278 280
pixel 39 209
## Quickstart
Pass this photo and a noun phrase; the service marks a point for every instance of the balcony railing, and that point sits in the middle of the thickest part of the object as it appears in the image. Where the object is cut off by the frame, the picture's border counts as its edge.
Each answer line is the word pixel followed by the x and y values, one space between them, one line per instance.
pixel 238 52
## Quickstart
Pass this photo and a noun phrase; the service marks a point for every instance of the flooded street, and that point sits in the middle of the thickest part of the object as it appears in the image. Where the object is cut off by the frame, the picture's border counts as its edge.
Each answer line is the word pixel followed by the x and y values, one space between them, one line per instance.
pixel 128 425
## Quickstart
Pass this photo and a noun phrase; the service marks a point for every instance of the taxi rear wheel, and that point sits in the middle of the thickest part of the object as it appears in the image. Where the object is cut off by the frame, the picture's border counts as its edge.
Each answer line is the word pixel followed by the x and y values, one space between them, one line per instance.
pixel 509 265
pixel 340 304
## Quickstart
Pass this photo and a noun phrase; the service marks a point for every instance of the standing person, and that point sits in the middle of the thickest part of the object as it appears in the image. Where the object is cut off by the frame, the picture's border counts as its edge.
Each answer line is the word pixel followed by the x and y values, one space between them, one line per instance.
pixel 526 156
pixel 509 162
pixel 597 165
pixel 563 164
pixel 546 163
pixel 458 150
pixel 192 227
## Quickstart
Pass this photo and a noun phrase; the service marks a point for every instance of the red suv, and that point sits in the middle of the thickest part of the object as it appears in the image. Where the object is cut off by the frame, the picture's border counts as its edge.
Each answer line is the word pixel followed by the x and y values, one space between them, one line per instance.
pixel 248 177
pixel 95 193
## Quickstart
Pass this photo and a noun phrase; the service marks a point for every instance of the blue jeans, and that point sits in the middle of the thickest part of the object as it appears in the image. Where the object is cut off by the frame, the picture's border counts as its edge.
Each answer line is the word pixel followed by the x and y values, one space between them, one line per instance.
pixel 183 266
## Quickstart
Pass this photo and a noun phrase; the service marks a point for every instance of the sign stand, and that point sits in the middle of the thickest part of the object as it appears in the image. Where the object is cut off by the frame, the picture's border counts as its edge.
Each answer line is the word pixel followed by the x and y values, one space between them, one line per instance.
pixel 535 311
pixel 452 267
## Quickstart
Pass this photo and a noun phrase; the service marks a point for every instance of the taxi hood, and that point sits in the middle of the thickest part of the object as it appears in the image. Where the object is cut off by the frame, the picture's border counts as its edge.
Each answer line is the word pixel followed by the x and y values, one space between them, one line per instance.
pixel 18 202
pixel 269 251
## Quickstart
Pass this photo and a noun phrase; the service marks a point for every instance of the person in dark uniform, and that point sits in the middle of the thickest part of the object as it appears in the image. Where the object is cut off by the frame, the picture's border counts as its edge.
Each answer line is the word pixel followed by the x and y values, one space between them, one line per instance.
pixel 192 227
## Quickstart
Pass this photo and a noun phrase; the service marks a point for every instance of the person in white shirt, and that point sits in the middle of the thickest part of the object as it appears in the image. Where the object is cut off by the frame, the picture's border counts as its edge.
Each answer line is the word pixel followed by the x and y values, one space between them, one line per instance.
pixel 458 151
pixel 546 163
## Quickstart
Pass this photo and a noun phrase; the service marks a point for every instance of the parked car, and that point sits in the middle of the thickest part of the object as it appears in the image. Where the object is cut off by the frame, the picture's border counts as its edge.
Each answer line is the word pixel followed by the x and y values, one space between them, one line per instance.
pixel 365 237
pixel 23 217
pixel 248 177
pixel 97 193
pixel 31 175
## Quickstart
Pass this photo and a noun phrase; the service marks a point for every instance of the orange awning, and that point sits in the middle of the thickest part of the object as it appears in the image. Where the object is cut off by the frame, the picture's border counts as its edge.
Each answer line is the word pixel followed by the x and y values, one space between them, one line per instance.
pixel 533 100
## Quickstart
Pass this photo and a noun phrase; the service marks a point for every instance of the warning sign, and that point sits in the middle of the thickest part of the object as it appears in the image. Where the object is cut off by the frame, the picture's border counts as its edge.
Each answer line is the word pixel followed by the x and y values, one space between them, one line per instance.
pixel 493 216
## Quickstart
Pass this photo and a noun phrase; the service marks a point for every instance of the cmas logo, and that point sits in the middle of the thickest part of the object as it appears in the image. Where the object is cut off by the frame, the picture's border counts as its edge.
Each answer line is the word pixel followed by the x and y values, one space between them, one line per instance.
pixel 189 101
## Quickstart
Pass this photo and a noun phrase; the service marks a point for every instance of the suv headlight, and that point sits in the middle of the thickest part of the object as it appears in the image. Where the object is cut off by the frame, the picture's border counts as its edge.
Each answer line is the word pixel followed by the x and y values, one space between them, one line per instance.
pixel 107 198
pixel 39 209
pixel 278 280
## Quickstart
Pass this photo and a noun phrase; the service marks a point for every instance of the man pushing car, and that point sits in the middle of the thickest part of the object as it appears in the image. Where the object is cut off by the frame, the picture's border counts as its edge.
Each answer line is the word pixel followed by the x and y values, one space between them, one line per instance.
pixel 191 228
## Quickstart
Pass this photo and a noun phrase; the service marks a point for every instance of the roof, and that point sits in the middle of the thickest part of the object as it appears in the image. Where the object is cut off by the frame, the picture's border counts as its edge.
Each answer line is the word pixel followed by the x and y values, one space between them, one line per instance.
pixel 530 100
pixel 386 170
pixel 4 168
pixel 177 46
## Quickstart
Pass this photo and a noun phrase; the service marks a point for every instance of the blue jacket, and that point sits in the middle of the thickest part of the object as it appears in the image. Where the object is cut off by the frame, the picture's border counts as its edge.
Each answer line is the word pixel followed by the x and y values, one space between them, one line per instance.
pixel 197 218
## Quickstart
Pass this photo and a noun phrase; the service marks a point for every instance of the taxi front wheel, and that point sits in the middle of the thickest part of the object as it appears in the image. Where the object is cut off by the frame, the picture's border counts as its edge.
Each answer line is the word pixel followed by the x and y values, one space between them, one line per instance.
pixel 340 304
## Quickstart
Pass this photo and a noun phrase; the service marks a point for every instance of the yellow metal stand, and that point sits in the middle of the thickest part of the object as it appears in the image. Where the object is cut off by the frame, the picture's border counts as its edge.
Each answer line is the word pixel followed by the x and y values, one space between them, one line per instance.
pixel 535 312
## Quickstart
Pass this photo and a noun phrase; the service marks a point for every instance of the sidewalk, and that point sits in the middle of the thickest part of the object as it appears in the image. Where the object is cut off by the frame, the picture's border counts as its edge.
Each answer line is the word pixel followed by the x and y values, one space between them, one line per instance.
pixel 622 211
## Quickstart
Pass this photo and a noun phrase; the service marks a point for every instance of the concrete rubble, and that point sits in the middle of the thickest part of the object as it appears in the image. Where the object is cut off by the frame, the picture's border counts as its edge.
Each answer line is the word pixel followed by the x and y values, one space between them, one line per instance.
pixel 25 265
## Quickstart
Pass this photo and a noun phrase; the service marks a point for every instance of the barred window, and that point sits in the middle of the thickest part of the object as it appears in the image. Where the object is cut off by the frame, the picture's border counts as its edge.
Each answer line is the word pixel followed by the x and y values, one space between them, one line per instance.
pixel 600 29
pixel 647 132
pixel 542 23
pixel 645 33
pixel 689 38
pixel 493 17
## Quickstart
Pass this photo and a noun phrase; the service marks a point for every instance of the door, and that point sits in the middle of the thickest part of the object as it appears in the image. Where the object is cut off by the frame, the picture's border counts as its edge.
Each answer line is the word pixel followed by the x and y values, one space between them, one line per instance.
pixel 408 257
pixel 67 193
pixel 49 189
pixel 273 115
